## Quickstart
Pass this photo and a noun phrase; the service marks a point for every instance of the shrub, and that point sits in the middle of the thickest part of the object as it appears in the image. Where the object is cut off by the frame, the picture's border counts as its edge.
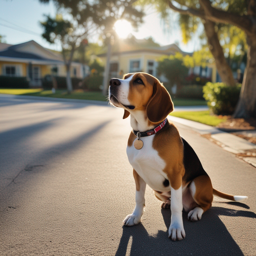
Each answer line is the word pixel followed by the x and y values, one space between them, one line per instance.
pixel 221 99
pixel 95 80
pixel 47 82
pixel 190 91
pixel 13 82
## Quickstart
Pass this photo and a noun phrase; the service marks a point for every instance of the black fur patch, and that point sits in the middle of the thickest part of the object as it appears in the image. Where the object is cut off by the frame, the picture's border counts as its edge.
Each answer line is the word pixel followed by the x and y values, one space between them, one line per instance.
pixel 166 183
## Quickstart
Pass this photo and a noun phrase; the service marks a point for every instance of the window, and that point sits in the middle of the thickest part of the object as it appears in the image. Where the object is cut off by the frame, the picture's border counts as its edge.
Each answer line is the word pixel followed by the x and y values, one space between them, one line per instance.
pixel 54 70
pixel 151 67
pixel 135 65
pixel 10 70
pixel 113 69
pixel 74 72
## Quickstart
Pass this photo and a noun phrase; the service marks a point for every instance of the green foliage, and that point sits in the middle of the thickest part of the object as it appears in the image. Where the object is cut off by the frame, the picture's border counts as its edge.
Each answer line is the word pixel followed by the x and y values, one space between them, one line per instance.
pixel 13 82
pixel 173 69
pixel 188 25
pixel 55 28
pixel 95 80
pixel 221 99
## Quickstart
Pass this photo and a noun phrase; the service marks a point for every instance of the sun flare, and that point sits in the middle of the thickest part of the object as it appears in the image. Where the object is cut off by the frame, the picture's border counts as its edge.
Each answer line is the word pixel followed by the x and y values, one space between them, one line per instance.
pixel 123 28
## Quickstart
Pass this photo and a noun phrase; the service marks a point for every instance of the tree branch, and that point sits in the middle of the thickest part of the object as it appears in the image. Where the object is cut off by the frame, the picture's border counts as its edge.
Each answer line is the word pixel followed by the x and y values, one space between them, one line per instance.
pixel 219 16
pixel 188 11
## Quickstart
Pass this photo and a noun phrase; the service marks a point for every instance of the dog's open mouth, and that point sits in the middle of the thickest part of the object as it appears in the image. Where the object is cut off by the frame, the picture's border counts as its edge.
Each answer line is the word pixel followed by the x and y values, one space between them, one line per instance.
pixel 117 103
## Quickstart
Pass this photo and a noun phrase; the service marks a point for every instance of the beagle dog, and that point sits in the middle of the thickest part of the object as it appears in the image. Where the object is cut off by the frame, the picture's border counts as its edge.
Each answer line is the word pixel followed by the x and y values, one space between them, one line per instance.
pixel 159 156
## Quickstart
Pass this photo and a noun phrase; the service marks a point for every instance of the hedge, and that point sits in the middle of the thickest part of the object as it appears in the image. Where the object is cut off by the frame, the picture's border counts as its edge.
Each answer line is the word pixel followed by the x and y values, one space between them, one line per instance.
pixel 221 98
pixel 47 82
pixel 13 82
pixel 190 91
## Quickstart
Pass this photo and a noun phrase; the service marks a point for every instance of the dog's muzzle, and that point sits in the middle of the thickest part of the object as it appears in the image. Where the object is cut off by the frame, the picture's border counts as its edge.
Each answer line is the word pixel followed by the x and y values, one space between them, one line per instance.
pixel 113 97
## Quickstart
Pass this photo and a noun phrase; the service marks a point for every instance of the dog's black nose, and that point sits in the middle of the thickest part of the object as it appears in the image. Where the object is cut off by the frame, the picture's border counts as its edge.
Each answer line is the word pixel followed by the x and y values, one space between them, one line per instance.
pixel 114 82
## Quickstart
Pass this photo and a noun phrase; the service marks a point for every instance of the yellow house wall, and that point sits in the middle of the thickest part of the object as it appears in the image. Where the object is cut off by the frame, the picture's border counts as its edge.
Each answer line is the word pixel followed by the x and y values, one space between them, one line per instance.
pixel 124 60
pixel 22 65
pixel 44 69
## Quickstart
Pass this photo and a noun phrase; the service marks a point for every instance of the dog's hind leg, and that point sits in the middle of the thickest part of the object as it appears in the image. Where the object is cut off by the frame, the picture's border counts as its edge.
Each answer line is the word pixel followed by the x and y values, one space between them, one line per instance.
pixel 202 193
pixel 165 199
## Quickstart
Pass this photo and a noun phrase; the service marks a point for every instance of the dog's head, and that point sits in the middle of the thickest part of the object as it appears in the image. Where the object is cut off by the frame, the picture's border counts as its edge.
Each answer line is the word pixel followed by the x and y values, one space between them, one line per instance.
pixel 141 91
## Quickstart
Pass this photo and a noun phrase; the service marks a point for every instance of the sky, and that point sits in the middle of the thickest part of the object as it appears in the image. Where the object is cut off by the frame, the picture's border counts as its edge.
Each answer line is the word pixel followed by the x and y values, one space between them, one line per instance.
pixel 19 22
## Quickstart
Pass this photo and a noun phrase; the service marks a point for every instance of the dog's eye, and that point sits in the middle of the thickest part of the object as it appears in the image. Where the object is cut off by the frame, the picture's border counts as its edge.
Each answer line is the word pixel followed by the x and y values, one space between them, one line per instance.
pixel 138 81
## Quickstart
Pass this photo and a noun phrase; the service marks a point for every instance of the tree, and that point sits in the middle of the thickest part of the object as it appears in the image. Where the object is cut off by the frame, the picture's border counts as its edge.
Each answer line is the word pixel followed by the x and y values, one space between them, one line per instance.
pixel 106 13
pixel 241 14
pixel 69 34
pixel 189 24
pixel 173 68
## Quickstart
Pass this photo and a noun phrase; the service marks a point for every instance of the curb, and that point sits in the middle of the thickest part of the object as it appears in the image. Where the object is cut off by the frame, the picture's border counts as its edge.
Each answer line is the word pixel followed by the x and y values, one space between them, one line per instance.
pixel 228 142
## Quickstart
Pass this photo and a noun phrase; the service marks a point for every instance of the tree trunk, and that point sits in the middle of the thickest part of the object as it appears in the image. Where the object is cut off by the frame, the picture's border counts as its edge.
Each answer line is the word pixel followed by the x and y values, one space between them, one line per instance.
pixel 106 73
pixel 68 79
pixel 246 107
pixel 222 66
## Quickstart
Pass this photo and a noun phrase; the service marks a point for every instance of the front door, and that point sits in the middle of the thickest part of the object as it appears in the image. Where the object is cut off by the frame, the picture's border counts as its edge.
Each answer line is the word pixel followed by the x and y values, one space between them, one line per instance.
pixel 34 74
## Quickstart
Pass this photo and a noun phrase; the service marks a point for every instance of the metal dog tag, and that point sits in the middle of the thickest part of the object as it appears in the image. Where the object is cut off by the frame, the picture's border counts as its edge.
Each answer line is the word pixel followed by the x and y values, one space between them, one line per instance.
pixel 138 144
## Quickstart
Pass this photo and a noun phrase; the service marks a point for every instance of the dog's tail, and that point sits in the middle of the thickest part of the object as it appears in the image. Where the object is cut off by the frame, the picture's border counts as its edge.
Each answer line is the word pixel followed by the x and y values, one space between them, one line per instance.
pixel 229 197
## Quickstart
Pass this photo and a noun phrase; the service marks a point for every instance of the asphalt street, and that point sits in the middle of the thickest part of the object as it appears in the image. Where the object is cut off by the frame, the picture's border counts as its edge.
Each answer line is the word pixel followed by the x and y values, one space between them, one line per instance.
pixel 66 185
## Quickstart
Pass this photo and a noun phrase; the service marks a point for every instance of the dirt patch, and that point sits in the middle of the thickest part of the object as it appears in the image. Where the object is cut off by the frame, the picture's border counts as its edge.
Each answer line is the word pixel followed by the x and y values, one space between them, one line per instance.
pixel 238 124
pixel 240 127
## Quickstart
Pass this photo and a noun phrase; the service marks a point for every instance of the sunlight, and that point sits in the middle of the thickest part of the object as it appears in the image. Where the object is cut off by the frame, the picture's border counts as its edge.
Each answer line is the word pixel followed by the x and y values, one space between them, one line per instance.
pixel 123 28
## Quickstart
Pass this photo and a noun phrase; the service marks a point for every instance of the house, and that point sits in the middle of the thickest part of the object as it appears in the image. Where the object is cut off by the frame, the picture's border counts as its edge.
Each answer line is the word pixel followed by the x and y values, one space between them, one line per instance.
pixel 33 61
pixel 129 58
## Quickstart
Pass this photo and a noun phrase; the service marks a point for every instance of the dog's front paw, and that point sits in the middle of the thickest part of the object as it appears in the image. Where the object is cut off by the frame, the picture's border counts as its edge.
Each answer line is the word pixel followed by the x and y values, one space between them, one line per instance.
pixel 131 220
pixel 176 232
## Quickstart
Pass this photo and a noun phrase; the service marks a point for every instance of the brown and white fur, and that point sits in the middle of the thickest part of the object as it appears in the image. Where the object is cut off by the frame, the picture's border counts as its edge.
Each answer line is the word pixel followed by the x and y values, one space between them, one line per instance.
pixel 167 163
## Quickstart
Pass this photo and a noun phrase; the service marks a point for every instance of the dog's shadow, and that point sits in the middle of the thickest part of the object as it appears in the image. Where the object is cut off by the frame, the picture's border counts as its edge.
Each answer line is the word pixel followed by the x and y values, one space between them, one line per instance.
pixel 208 237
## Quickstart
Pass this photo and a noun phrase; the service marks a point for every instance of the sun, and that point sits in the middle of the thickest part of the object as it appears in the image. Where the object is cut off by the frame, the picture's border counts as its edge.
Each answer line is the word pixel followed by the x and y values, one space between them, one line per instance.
pixel 123 28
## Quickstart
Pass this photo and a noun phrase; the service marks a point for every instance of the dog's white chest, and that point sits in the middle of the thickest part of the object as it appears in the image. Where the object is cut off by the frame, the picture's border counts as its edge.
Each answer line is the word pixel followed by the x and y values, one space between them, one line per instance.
pixel 148 164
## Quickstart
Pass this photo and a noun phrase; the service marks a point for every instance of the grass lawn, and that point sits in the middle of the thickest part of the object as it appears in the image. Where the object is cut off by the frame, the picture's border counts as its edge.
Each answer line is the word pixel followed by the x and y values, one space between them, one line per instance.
pixel 204 117
pixel 19 91
pixel 58 94
pixel 86 96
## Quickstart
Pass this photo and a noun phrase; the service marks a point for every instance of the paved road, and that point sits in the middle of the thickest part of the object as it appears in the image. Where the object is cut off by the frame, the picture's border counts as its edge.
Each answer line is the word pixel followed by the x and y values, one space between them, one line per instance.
pixel 66 185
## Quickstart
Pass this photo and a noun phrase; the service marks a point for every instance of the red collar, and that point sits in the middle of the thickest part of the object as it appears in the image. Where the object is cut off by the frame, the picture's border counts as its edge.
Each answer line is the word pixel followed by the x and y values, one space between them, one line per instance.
pixel 152 131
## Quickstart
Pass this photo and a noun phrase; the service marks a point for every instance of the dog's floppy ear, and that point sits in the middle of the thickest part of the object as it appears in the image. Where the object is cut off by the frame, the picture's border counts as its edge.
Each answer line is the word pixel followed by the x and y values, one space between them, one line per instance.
pixel 126 114
pixel 160 104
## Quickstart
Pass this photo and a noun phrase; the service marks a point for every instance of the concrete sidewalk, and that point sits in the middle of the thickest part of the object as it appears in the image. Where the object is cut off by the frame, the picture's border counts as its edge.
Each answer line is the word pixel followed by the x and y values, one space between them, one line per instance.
pixel 226 140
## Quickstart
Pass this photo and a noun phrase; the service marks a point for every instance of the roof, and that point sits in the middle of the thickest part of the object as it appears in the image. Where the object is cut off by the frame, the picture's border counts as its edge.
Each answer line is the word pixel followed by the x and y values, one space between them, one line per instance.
pixel 28 51
pixel 163 50
pixel 3 46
